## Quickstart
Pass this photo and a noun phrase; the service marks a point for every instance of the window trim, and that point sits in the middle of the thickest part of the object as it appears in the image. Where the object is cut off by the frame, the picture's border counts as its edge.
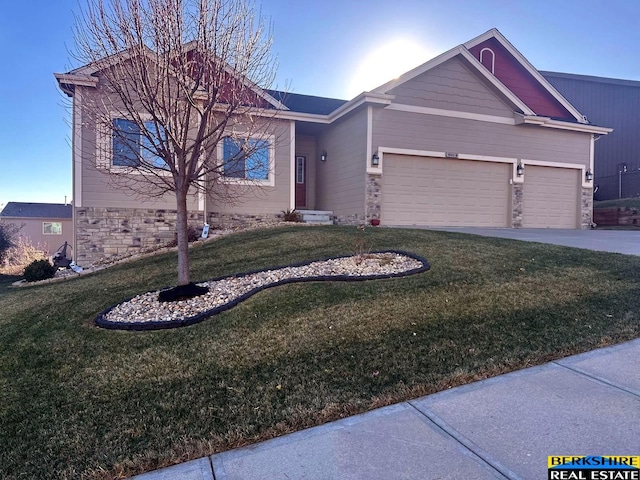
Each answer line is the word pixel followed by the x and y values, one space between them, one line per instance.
pixel 51 223
pixel 104 148
pixel 269 182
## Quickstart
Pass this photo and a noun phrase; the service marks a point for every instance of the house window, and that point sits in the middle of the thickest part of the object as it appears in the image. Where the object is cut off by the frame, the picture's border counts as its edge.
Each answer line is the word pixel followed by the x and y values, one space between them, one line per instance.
pixel 299 169
pixel 246 159
pixel 131 146
pixel 52 228
pixel 488 59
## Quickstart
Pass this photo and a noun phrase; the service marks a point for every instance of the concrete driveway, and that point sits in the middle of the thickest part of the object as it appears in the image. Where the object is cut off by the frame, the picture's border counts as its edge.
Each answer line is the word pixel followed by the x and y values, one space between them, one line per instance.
pixel 617 241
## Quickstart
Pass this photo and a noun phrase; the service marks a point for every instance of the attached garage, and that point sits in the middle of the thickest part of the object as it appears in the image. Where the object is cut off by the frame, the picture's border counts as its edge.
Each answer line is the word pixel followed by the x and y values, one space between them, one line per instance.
pixel 550 197
pixel 445 192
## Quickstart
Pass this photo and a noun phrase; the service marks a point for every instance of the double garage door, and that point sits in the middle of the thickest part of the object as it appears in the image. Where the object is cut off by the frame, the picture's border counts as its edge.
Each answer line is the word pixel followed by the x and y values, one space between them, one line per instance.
pixel 451 192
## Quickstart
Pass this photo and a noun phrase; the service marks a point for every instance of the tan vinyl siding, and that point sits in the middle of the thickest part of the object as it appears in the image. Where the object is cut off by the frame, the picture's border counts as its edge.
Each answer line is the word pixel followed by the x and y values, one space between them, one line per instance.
pixel 445 134
pixel 306 146
pixel 451 86
pixel 99 188
pixel 340 181
pixel 258 199
pixel 32 230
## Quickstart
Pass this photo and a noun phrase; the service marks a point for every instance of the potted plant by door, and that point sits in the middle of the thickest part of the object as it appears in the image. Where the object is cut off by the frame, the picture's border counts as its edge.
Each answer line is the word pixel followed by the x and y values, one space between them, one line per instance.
pixel 375 222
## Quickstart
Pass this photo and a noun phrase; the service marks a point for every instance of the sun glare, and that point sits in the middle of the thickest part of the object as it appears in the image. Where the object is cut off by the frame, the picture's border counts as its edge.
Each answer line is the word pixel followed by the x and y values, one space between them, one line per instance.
pixel 387 62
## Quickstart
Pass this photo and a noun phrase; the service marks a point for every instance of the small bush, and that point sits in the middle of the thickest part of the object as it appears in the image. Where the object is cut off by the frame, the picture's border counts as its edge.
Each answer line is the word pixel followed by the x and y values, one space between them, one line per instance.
pixel 20 255
pixel 39 270
pixel 291 215
pixel 192 236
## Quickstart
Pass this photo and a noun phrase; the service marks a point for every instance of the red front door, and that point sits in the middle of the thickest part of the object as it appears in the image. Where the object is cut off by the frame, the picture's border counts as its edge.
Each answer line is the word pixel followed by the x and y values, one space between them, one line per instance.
pixel 301 181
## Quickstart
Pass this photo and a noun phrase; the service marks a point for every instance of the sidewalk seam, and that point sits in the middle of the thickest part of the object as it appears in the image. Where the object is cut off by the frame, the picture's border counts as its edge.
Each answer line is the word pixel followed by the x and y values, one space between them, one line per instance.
pixel 213 472
pixel 471 447
pixel 597 378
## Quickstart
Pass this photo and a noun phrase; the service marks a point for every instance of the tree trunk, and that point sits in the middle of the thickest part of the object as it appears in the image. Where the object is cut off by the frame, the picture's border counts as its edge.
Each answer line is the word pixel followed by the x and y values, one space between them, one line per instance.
pixel 183 238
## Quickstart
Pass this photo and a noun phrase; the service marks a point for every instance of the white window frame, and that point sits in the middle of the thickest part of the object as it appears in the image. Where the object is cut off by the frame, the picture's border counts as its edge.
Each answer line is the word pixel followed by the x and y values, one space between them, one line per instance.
pixel 44 232
pixel 301 160
pixel 104 148
pixel 269 182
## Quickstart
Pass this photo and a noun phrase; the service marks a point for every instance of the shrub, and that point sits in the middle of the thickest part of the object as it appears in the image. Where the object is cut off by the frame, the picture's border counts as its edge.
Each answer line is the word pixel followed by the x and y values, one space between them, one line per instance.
pixel 20 255
pixel 39 270
pixel 192 236
pixel 7 238
pixel 291 215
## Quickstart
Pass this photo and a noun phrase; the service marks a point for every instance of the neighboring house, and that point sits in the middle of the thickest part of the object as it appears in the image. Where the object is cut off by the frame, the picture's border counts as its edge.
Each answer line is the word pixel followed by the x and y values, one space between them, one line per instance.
pixel 615 103
pixel 474 137
pixel 45 225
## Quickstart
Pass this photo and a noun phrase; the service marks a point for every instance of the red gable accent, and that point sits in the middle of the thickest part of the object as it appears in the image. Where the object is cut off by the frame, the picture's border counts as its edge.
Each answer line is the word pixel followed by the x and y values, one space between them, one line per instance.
pixel 209 73
pixel 517 79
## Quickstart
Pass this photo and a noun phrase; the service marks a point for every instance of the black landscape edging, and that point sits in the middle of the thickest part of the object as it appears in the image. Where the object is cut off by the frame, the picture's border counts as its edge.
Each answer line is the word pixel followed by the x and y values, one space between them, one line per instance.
pixel 102 322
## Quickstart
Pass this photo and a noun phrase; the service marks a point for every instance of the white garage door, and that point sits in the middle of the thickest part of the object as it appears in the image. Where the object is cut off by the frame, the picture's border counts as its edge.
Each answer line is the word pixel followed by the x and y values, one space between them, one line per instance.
pixel 444 192
pixel 550 197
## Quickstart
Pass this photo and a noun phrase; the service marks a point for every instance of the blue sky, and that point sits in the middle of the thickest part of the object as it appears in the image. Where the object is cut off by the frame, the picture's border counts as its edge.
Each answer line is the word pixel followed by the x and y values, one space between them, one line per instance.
pixel 334 48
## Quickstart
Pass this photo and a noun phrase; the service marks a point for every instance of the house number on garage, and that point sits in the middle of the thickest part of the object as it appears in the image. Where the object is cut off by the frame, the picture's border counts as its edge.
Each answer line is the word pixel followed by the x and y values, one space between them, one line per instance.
pixel 450 155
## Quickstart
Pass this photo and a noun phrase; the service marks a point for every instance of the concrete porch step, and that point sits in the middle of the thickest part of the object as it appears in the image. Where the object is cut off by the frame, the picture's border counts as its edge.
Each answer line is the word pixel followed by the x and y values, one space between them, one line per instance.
pixel 316 217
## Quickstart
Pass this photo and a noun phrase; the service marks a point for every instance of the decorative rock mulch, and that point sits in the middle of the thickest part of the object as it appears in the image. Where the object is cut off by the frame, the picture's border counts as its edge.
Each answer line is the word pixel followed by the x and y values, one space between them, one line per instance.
pixel 146 312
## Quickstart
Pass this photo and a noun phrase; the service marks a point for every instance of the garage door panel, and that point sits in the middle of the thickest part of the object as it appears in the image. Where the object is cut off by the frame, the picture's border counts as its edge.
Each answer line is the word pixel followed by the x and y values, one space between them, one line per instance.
pixel 444 192
pixel 550 197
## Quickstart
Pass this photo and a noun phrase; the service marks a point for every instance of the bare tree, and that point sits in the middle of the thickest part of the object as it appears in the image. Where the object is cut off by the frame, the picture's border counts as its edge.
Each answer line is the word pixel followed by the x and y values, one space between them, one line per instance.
pixel 177 78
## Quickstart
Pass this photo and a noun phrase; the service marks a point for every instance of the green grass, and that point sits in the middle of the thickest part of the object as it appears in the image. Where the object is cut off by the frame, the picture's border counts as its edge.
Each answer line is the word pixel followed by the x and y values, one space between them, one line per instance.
pixel 622 202
pixel 81 402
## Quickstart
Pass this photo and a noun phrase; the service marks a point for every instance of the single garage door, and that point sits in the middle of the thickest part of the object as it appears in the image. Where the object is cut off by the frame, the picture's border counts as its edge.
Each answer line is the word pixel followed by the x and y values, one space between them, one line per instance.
pixel 550 197
pixel 444 192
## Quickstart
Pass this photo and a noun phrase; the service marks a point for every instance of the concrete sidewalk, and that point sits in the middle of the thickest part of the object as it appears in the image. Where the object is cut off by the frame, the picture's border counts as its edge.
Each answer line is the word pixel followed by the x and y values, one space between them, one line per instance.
pixel 503 427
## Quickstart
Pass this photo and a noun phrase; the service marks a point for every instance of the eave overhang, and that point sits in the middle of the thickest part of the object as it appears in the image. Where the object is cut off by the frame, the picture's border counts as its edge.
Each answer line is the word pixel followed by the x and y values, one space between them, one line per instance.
pixel 561 125
pixel 68 82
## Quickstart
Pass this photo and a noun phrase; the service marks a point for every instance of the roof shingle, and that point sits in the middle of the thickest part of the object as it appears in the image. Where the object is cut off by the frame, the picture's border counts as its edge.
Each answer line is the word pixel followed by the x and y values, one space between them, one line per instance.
pixel 36 210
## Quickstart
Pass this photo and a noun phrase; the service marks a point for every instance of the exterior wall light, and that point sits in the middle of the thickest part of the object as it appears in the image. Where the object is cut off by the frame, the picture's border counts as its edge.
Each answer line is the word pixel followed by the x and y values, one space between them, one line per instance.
pixel 520 170
pixel 588 175
pixel 323 156
pixel 375 160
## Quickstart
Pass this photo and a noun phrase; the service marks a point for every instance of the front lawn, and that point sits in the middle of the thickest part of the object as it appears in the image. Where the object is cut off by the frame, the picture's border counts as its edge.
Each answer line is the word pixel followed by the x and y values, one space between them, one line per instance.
pixel 80 402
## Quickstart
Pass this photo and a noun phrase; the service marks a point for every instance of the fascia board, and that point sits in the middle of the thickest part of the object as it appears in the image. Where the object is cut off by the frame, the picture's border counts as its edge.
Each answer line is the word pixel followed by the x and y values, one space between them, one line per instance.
pixel 71 79
pixel 559 124
pixel 363 98
pixel 425 67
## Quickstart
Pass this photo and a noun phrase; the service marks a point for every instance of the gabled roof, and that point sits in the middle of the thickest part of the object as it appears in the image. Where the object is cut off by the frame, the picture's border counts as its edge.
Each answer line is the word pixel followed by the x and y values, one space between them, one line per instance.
pixel 307 103
pixel 464 51
pixel 461 50
pixel 85 74
pixel 36 210
pixel 495 34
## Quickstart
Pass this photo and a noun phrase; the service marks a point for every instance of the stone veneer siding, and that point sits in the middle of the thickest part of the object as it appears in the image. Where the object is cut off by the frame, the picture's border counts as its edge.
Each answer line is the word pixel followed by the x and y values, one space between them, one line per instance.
pixel 373 198
pixel 223 221
pixel 516 205
pixel 586 212
pixel 354 219
pixel 104 231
